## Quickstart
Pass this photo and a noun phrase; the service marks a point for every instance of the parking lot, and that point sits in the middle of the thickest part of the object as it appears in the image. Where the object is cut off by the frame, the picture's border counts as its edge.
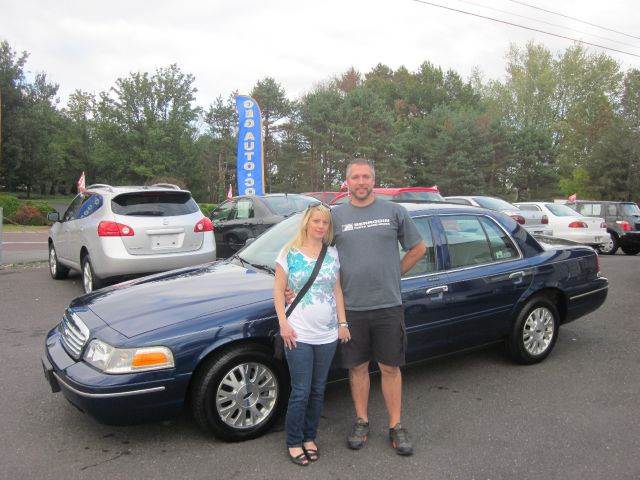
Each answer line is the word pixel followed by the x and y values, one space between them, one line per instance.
pixel 472 416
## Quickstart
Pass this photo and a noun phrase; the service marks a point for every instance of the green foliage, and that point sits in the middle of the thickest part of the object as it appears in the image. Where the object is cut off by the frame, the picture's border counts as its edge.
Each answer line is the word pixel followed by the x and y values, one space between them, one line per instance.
pixel 24 212
pixel 9 205
pixel 207 208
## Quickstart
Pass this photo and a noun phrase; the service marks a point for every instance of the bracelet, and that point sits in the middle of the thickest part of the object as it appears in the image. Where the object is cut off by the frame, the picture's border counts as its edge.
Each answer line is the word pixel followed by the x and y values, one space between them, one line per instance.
pixel 343 324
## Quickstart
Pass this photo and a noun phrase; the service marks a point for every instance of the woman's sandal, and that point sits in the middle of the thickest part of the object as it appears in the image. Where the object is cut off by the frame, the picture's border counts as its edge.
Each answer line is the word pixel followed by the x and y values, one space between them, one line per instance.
pixel 312 453
pixel 301 459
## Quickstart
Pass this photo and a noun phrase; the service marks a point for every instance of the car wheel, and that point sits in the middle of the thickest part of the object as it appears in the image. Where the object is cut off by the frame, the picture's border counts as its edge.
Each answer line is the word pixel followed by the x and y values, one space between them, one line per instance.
pixel 630 250
pixel 535 331
pixel 240 394
pixel 56 269
pixel 611 247
pixel 90 281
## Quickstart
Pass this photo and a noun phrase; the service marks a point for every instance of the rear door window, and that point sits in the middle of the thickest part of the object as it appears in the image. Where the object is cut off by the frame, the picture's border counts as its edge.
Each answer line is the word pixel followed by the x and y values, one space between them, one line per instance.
pixel 90 205
pixel 226 211
pixel 468 244
pixel 244 209
pixel 590 209
pixel 502 248
pixel 612 210
pixel 154 204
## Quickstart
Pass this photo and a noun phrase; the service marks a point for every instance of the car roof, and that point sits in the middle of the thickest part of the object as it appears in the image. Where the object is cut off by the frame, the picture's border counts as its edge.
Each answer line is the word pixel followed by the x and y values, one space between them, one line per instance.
pixel 399 190
pixel 440 207
pixel 117 190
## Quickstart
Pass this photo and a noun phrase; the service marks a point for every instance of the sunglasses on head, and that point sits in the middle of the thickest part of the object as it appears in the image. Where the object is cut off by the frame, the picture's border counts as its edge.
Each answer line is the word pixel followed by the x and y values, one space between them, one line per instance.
pixel 317 204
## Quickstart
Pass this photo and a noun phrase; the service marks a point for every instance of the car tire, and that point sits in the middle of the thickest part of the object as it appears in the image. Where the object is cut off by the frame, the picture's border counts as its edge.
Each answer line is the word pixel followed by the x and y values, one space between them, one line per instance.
pixel 534 332
pixel 611 247
pixel 630 250
pixel 218 407
pixel 90 281
pixel 56 269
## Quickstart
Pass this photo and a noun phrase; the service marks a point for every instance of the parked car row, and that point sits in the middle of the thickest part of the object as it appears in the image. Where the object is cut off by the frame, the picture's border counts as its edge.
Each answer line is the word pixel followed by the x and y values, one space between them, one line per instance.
pixel 202 337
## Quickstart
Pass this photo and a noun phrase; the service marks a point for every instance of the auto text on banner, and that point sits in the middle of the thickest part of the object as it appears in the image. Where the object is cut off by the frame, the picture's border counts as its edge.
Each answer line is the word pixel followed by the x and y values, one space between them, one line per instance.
pixel 250 166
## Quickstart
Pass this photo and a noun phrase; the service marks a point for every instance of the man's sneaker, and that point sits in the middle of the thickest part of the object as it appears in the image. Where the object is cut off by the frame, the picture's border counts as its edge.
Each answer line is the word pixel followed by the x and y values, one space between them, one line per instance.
pixel 359 433
pixel 400 440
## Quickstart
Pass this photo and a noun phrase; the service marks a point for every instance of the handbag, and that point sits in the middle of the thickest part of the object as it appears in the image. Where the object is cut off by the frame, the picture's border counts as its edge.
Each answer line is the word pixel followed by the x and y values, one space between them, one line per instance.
pixel 278 344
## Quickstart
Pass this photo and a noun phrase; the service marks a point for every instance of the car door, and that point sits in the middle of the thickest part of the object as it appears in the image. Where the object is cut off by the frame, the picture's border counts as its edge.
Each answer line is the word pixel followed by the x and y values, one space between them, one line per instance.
pixel 486 276
pixel 423 294
pixel 220 218
pixel 62 241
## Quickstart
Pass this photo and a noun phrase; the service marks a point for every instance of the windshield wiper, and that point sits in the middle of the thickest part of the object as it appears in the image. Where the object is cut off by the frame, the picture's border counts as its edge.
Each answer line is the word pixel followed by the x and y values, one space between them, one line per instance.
pixel 240 259
pixel 263 267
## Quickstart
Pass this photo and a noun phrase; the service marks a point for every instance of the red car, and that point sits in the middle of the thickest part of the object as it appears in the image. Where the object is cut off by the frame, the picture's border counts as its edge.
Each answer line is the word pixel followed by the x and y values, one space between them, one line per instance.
pixel 409 194
pixel 324 197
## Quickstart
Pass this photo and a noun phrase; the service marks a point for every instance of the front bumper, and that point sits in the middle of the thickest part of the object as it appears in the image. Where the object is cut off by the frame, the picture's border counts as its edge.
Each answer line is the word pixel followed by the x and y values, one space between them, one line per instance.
pixel 112 399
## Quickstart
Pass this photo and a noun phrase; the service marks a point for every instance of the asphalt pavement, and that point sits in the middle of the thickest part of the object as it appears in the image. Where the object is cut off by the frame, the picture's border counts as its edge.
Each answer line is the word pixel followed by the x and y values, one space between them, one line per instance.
pixel 471 416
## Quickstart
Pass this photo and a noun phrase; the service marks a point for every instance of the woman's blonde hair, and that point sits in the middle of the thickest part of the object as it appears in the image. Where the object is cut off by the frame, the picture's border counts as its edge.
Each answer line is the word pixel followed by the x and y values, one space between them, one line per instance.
pixel 298 240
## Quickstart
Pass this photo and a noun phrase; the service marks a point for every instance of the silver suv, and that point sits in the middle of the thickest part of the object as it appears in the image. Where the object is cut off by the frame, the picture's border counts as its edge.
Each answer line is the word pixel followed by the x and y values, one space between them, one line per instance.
pixel 110 232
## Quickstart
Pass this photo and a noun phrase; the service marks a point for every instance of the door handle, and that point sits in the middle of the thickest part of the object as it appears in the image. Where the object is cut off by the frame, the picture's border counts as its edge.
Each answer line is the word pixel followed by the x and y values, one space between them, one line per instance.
pixel 439 289
pixel 517 276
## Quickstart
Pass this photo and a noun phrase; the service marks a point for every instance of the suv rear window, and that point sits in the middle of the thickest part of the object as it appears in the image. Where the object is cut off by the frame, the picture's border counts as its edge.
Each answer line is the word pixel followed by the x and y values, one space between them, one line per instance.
pixel 154 204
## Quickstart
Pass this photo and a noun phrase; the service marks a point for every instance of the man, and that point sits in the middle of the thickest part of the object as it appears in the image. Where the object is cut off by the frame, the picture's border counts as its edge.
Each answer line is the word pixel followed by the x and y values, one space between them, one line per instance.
pixel 367 232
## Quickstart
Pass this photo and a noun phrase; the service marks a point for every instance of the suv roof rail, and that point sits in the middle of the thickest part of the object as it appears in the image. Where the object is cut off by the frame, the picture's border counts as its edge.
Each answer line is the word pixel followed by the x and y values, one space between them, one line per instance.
pixel 100 185
pixel 166 185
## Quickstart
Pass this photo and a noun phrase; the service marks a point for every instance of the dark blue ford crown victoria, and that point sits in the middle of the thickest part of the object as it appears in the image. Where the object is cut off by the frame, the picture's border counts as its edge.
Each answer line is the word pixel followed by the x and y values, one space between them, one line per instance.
pixel 203 337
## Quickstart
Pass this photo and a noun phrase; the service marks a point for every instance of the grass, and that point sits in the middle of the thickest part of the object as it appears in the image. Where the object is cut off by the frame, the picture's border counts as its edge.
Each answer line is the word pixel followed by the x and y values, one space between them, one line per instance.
pixel 24 228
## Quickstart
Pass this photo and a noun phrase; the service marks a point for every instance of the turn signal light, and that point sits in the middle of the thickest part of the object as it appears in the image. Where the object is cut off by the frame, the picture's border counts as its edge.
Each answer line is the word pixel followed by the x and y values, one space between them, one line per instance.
pixel 149 359
pixel 578 224
pixel 114 229
pixel 519 218
pixel 204 225
pixel 624 225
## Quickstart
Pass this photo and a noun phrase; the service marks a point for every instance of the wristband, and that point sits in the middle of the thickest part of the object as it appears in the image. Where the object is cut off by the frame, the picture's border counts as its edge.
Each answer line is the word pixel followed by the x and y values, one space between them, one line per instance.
pixel 343 324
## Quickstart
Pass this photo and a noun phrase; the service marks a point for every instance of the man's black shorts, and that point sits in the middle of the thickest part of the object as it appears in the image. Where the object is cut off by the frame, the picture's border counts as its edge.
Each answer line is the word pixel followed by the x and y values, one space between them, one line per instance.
pixel 377 335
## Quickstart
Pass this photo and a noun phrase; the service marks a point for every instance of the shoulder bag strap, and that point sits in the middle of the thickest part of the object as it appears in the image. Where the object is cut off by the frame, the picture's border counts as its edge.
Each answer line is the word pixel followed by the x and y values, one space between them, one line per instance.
pixel 312 279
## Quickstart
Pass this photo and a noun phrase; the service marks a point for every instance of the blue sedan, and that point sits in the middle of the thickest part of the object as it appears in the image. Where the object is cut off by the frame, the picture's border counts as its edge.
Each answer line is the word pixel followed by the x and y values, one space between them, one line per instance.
pixel 203 337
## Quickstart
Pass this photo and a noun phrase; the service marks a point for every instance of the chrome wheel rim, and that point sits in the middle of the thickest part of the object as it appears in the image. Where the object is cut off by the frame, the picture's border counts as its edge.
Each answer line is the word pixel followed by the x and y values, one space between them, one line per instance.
pixel 538 331
pixel 53 261
pixel 87 278
pixel 607 247
pixel 247 395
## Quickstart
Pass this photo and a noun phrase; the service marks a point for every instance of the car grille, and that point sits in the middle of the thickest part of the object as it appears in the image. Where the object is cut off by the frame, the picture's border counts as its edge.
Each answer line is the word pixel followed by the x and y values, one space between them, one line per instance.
pixel 74 334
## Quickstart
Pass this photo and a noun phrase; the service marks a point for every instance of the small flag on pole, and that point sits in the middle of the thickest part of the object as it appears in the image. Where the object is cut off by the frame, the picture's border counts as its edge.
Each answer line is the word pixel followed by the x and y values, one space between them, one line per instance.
pixel 230 192
pixel 572 198
pixel 81 184
pixel 343 186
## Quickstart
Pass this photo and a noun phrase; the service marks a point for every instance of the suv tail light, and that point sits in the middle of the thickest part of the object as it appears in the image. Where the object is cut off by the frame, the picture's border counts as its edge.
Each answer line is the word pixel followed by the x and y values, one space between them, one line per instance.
pixel 114 229
pixel 603 225
pixel 204 225
pixel 518 218
pixel 578 224
pixel 624 225
pixel 545 220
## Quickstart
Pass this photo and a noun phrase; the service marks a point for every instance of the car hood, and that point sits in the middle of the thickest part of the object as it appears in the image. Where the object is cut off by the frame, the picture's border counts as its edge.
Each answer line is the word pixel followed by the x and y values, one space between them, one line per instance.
pixel 149 303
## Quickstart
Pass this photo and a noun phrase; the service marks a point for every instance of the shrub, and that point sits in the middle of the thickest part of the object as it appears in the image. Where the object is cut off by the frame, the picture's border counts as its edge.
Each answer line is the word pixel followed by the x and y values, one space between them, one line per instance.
pixel 207 208
pixel 9 205
pixel 41 205
pixel 29 215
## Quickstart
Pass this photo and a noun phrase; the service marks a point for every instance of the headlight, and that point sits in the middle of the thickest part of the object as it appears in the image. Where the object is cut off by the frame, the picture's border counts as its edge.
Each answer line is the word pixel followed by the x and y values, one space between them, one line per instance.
pixel 127 360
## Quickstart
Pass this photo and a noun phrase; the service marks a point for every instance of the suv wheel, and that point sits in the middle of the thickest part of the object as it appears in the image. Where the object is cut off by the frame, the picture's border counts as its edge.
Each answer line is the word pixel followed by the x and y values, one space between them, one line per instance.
pixel 631 250
pixel 90 281
pixel 535 331
pixel 611 247
pixel 56 269
pixel 240 394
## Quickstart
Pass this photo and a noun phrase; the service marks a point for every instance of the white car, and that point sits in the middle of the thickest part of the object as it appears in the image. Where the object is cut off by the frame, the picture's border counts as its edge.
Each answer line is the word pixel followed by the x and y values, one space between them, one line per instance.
pixel 536 223
pixel 568 224
pixel 112 232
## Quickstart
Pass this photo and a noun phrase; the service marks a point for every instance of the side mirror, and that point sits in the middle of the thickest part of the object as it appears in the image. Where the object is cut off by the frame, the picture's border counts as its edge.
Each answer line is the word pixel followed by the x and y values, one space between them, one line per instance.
pixel 53 217
pixel 249 240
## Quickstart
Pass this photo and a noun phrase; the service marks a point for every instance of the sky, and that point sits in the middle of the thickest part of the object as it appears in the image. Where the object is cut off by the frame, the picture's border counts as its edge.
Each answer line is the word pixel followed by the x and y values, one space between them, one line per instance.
pixel 229 45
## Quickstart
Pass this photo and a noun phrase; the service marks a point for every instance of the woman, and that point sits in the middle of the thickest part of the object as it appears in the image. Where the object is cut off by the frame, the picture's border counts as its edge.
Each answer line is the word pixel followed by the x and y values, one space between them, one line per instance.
pixel 313 328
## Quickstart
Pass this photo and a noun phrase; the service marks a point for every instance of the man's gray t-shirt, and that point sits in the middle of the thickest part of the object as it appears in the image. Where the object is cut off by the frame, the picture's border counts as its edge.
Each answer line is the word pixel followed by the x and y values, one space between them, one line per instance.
pixel 367 242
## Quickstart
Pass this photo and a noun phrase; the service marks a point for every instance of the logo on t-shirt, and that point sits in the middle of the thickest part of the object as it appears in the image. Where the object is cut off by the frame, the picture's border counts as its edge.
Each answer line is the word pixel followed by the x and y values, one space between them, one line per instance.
pixel 378 222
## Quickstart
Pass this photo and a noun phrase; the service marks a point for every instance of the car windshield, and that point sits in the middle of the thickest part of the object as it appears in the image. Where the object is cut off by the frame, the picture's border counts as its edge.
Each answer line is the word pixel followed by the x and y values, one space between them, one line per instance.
pixel 265 249
pixel 288 204
pixel 494 203
pixel 424 196
pixel 560 210
pixel 630 209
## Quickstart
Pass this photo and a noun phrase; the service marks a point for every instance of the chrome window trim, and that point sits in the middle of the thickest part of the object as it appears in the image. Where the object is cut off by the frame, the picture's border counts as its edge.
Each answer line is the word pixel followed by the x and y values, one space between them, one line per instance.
pixel 439 272
pixel 107 395
pixel 454 270
pixel 589 293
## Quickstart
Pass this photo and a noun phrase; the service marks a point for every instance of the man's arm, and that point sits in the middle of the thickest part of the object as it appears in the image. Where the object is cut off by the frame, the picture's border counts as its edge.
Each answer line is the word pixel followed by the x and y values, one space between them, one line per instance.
pixel 412 256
